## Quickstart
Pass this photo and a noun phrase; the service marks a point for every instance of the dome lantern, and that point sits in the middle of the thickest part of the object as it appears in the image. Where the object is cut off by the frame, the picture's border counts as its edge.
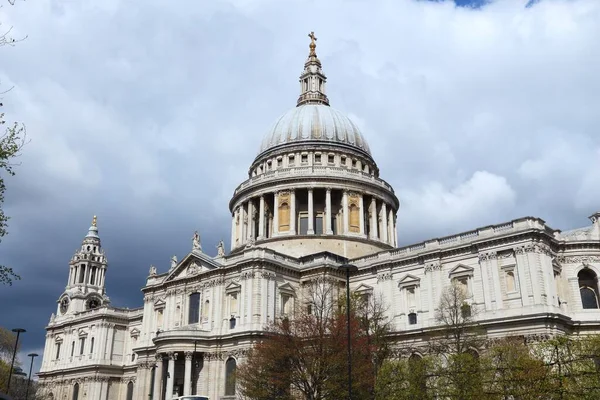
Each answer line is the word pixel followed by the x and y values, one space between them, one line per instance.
pixel 312 80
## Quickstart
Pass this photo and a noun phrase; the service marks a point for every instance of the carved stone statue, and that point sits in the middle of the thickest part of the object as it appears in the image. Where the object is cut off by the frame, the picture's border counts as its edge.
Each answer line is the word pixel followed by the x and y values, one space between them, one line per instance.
pixel 221 249
pixel 152 270
pixel 173 262
pixel 196 242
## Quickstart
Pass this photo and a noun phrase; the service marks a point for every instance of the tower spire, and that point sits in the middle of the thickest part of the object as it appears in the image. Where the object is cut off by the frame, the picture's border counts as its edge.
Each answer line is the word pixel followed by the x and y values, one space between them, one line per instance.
pixel 312 80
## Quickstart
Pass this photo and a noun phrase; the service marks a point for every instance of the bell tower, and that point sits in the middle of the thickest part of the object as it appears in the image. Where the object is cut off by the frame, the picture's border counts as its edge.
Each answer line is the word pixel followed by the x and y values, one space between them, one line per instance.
pixel 85 288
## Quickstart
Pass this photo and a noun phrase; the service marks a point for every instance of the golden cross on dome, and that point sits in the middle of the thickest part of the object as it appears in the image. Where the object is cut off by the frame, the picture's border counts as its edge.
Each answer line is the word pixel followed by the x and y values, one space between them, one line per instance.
pixel 94 221
pixel 312 45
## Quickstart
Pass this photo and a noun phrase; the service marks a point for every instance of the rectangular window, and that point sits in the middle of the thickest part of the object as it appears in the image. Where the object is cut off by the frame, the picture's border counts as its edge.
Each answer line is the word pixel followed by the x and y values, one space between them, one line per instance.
pixel 303 225
pixel 72 348
pixel 58 350
pixel 291 161
pixel 412 318
pixel 233 303
pixel 194 308
pixel 317 159
pixel 92 346
pixel 81 273
pixel 286 304
pixel 330 159
pixel 81 345
pixel 304 159
pixel 319 225
pixel 279 162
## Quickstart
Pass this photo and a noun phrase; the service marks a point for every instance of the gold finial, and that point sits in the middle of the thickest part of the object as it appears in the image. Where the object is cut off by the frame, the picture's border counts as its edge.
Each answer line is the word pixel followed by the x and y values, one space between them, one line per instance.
pixel 94 221
pixel 312 45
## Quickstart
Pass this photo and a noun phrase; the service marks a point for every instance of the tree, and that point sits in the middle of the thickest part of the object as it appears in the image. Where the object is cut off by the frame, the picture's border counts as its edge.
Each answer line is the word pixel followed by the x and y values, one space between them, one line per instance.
pixel 11 143
pixel 515 372
pixel 7 347
pixel 304 355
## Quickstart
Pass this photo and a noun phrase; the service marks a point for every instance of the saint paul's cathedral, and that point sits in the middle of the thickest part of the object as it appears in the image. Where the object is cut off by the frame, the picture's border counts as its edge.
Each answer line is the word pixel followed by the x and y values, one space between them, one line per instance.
pixel 313 201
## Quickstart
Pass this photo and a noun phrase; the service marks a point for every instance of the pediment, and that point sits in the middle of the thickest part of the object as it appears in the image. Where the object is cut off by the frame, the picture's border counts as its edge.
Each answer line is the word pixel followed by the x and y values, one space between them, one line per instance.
pixel 160 303
pixel 287 288
pixel 461 270
pixel 193 264
pixel 362 288
pixel 135 332
pixel 409 280
pixel 232 287
pixel 82 332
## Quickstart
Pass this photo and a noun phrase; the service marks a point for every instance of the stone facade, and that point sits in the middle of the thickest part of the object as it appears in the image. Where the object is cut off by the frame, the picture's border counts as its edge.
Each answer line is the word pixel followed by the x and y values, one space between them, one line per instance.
pixel 312 202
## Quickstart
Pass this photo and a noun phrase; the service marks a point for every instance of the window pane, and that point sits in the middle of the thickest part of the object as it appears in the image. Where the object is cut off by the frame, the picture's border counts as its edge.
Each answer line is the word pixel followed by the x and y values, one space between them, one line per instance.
pixel 319 225
pixel 194 313
pixel 588 298
pixel 303 225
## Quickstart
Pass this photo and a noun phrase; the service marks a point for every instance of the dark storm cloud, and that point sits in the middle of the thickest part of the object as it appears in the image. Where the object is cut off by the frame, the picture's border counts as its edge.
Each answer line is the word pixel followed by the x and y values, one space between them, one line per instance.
pixel 149 114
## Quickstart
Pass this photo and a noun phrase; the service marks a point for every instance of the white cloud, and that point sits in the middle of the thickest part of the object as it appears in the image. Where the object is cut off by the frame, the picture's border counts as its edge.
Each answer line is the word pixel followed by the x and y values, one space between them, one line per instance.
pixel 483 197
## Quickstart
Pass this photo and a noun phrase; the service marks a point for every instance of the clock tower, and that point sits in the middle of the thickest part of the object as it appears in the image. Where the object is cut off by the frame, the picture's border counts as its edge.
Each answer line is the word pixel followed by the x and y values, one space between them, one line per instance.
pixel 85 288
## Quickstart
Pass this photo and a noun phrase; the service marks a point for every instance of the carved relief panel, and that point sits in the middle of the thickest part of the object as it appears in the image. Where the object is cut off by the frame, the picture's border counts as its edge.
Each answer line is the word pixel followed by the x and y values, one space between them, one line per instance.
pixel 354 212
pixel 283 208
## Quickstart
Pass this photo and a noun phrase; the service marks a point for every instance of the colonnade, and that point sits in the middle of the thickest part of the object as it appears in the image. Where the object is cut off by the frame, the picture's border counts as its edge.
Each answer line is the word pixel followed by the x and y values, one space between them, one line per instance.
pixel 90 277
pixel 313 211
pixel 159 374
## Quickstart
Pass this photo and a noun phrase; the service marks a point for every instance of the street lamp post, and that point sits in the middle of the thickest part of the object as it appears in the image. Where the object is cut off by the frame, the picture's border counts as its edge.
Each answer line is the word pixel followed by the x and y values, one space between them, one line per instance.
pixel 32 355
pixel 18 331
pixel 349 268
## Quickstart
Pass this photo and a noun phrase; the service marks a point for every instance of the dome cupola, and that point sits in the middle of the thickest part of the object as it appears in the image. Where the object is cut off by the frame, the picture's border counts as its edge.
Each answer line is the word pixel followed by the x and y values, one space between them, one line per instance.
pixel 314 182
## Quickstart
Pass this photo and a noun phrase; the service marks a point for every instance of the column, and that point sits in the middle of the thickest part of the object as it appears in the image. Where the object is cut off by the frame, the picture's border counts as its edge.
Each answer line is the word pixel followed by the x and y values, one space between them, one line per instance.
pixel 171 375
pixel 187 377
pixel 86 275
pixel 311 217
pixel 240 226
pixel 104 389
pixel 534 273
pixel 327 224
pixel 158 374
pixel 250 225
pixel 521 274
pixel 261 218
pixel 293 212
pixel 276 214
pixel 233 231
pixel 373 222
pixel 493 257
pixel 390 226
pixel 361 215
pixel 345 211
pixel 487 291
pixel 384 227
pixel 395 231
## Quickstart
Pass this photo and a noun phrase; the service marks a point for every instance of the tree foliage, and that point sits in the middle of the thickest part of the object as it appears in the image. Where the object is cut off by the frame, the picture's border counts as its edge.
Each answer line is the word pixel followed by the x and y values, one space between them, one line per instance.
pixel 7 347
pixel 305 355
pixel 11 143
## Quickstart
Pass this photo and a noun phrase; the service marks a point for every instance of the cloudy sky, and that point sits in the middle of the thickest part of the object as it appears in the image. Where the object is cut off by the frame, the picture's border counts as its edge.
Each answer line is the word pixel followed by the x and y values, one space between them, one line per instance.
pixel 148 114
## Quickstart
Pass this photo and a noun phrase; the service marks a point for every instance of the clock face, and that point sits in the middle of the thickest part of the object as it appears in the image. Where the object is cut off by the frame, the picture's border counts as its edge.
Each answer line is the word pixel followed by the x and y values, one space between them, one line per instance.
pixel 93 303
pixel 64 305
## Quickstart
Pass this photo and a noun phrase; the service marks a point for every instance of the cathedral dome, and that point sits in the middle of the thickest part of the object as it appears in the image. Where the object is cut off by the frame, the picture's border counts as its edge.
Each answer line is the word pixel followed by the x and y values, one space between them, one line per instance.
pixel 314 123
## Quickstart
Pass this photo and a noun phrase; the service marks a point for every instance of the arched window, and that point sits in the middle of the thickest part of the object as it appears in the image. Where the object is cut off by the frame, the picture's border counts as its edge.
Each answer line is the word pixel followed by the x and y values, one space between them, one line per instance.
pixel 76 391
pixel 194 310
pixel 230 367
pixel 588 288
pixel 284 217
pixel 129 391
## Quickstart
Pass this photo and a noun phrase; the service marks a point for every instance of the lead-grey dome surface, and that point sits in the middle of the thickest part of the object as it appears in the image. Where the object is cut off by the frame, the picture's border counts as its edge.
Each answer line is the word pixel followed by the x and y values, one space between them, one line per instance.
pixel 314 122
